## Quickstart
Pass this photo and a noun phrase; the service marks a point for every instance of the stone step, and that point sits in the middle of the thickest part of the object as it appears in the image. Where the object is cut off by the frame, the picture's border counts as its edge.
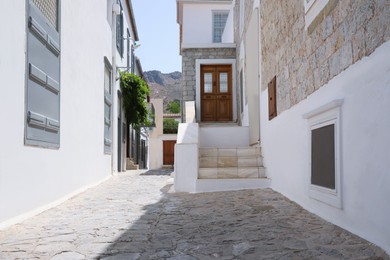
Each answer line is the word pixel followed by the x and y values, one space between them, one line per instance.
pixel 213 185
pixel 231 173
pixel 228 152
pixel 130 165
pixel 230 161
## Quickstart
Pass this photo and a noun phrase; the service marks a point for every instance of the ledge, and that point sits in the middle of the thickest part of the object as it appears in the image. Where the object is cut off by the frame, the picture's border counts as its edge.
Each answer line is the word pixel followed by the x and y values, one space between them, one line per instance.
pixel 333 104
pixel 207 45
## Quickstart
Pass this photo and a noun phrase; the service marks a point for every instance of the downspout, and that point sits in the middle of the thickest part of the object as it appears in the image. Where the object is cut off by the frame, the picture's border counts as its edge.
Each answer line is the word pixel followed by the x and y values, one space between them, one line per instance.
pixel 114 93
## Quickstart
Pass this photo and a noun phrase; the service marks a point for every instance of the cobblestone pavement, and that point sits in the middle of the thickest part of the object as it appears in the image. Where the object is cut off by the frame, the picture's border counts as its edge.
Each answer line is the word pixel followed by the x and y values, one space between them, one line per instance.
pixel 134 216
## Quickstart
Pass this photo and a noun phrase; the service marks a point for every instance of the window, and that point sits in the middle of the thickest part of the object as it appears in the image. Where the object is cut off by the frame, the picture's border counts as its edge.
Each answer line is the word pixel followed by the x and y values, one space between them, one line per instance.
pixel 316 11
pixel 242 15
pixel 272 112
pixel 109 12
pixel 242 90
pixel 129 52
pixel 107 106
pixel 119 32
pixel 42 126
pixel 219 22
pixel 325 158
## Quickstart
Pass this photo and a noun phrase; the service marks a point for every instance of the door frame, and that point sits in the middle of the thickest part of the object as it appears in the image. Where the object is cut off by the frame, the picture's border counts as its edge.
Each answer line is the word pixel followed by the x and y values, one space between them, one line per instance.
pixel 198 64
pixel 215 97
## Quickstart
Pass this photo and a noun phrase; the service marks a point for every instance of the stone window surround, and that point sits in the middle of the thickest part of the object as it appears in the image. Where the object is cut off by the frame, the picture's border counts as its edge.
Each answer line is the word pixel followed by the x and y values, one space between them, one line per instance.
pixel 198 63
pixel 327 114
pixel 316 11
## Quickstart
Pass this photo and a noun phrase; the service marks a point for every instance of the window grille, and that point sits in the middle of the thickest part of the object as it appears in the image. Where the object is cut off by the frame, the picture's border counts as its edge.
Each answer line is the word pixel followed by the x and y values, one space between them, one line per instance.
pixel 219 22
pixel 49 9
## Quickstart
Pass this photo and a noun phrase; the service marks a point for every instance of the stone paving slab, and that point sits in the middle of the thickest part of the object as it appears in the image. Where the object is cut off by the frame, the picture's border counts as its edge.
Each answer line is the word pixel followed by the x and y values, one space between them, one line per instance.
pixel 135 216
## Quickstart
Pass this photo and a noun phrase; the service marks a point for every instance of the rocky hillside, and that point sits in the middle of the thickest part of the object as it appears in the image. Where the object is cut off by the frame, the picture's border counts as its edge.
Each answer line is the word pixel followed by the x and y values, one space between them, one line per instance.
pixel 164 85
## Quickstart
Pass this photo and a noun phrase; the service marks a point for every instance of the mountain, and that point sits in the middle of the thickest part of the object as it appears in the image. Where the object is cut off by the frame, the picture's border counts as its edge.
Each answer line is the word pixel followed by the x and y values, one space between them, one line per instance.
pixel 166 86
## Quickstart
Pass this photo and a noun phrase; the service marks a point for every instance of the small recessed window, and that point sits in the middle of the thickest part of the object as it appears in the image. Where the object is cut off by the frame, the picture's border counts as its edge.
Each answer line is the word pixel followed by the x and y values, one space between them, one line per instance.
pixel 219 22
pixel 325 159
pixel 272 99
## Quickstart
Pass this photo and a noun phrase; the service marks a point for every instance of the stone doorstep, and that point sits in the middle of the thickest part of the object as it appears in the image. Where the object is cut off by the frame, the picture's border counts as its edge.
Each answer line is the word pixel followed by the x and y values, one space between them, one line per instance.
pixel 232 173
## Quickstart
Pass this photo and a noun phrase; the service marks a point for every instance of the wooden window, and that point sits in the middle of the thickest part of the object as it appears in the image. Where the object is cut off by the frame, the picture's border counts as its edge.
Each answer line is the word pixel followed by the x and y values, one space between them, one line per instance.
pixel 272 99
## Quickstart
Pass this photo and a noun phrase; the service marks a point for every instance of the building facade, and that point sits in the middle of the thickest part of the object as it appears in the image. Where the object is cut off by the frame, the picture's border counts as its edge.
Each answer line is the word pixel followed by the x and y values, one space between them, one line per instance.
pixel 312 85
pixel 59 73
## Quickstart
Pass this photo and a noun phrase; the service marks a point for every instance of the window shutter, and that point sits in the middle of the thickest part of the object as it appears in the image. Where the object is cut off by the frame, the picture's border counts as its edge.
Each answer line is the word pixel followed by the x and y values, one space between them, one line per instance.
pixel 107 106
pixel 272 99
pixel 43 75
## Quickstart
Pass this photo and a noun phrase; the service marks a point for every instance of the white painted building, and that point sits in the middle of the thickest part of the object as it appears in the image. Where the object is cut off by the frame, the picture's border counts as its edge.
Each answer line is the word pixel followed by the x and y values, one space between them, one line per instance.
pixel 60 107
pixel 157 138
pixel 303 86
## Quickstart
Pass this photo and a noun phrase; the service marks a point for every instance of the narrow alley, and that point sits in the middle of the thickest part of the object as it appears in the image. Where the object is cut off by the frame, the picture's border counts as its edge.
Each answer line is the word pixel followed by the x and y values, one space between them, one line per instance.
pixel 135 215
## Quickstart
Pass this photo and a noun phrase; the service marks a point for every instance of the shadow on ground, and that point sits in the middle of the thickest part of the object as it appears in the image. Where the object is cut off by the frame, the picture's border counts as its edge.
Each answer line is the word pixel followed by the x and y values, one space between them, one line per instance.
pixel 251 224
pixel 164 172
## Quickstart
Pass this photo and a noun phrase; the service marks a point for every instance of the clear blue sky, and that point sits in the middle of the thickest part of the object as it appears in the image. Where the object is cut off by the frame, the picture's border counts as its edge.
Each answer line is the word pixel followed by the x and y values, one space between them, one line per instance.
pixel 158 34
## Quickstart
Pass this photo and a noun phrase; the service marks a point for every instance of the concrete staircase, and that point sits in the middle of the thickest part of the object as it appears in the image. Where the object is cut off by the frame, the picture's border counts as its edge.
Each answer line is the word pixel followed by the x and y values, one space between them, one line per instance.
pixel 231 169
pixel 130 165
pixel 230 163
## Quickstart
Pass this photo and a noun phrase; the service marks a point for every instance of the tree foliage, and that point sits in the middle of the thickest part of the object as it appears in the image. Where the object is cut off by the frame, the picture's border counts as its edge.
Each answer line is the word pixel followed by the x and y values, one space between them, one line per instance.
pixel 170 126
pixel 134 93
pixel 174 107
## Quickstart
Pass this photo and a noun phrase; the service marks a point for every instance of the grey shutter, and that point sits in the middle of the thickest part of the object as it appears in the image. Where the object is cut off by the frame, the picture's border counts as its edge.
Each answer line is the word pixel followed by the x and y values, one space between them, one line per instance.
pixel 43 74
pixel 107 106
pixel 119 32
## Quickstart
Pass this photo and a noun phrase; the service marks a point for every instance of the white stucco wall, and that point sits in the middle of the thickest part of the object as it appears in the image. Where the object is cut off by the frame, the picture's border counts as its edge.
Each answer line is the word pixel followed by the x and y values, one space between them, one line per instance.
pixel 197 22
pixel 33 178
pixel 365 148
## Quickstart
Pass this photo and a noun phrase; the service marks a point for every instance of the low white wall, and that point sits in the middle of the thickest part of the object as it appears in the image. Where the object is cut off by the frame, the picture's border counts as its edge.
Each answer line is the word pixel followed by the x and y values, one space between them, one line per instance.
pixel 186 158
pixel 32 178
pixel 223 136
pixel 365 148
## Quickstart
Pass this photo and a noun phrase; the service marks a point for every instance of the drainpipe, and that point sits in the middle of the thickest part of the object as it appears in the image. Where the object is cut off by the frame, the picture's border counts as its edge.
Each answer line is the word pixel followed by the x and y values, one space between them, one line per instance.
pixel 114 109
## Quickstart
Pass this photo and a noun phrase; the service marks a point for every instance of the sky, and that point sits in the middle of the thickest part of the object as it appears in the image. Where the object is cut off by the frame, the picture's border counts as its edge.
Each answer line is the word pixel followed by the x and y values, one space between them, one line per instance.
pixel 158 35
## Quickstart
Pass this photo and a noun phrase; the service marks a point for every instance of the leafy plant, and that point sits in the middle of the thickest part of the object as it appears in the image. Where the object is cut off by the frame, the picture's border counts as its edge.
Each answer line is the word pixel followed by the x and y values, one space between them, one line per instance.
pixel 170 126
pixel 134 93
pixel 174 107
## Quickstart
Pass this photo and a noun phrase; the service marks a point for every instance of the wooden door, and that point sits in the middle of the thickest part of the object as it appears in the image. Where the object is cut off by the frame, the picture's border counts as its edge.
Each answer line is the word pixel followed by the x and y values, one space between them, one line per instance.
pixel 216 93
pixel 169 152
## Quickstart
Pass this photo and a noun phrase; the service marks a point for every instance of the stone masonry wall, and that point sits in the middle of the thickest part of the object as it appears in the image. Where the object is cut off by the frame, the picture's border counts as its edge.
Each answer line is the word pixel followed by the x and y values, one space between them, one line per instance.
pixel 304 62
pixel 188 66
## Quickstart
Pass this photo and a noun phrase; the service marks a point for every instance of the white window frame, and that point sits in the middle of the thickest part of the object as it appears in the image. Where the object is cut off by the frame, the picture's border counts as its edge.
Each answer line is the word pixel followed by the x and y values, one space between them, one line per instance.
pixel 198 64
pixel 314 9
pixel 242 16
pixel 328 114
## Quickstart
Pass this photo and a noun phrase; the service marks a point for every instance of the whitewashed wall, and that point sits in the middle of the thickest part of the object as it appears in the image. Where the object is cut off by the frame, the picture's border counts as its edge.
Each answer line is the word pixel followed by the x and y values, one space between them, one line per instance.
pixel 197 22
pixel 365 148
pixel 31 178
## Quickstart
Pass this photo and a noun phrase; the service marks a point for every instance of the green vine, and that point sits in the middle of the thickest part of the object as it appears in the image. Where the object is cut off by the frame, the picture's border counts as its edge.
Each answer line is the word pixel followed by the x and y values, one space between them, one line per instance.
pixel 134 93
